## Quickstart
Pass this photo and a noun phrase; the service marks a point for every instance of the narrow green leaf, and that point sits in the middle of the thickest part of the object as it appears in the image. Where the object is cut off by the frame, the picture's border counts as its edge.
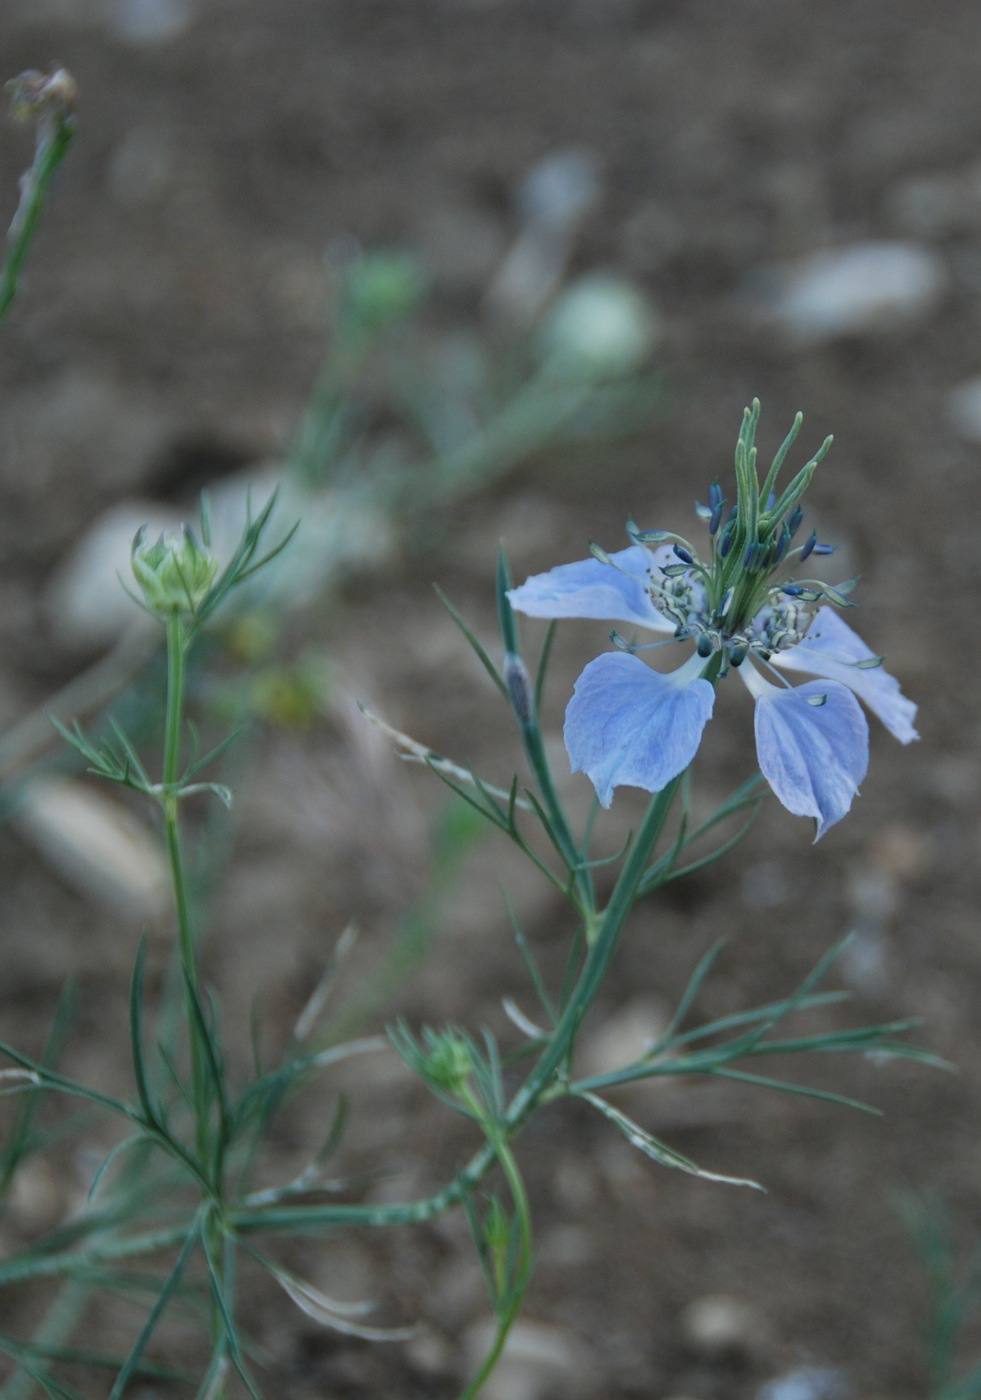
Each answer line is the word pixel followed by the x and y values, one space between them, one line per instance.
pixel 505 612
pixel 543 660
pixel 131 1365
pixel 147 1103
pixel 477 647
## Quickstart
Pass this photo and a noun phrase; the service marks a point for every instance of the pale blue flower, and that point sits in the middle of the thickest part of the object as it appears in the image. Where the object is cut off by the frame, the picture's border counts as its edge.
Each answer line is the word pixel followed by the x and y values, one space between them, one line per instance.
pixel 629 725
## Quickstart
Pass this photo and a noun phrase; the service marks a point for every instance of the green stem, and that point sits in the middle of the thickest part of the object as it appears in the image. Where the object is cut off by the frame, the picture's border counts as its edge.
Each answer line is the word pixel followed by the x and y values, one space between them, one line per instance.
pixel 185 927
pixel 562 835
pixel 50 152
pixel 598 959
pixel 512 1292
pixel 34 1266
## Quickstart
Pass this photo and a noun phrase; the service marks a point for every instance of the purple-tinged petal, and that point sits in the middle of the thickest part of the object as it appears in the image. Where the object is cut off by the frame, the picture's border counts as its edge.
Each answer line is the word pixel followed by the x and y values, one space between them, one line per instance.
pixel 614 592
pixel 812 742
pixel 627 725
pixel 832 649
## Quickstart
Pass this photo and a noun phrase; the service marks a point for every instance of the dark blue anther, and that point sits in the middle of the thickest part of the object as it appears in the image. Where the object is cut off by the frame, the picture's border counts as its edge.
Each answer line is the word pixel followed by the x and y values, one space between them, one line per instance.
pixel 737 652
pixel 683 554
pixel 794 520
pixel 809 544
pixel 704 646
pixel 725 543
pixel 792 590
pixel 783 544
pixel 715 496
pixel 716 517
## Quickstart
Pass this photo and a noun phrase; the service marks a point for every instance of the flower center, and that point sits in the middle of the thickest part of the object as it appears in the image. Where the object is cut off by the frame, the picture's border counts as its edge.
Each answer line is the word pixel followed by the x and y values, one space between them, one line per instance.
pixel 682 597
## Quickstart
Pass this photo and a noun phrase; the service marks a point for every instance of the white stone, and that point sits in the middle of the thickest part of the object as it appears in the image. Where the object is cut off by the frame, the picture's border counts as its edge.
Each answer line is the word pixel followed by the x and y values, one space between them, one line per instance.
pixel 809 1383
pixel 95 842
pixel 718 1325
pixel 864 289
pixel 623 1037
pixel 964 410
pixel 539 1361
pixel 151 21
pixel 85 600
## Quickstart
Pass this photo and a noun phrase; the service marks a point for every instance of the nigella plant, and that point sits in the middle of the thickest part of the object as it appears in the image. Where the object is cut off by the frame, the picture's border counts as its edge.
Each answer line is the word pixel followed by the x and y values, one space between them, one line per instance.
pixel 746 609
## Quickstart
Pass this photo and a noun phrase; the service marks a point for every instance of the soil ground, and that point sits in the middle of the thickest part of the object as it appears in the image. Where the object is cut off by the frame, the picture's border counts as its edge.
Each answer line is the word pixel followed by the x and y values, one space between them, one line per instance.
pixel 171 328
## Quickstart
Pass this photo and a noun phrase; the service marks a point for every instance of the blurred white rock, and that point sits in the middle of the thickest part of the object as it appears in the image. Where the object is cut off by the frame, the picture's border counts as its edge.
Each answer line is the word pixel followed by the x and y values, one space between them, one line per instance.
pixel 964 409
pixel 719 1325
pixel 150 21
pixel 538 1361
pixel 95 842
pixel 337 531
pixel 809 1383
pixel 87 606
pixel 865 289
pixel 85 601
pixel 623 1037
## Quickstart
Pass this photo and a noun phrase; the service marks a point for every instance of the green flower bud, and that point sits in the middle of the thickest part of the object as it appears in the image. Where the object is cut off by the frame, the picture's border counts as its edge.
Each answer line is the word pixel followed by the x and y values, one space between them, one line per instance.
pixel 379 290
pixel 175 572
pixel 448 1064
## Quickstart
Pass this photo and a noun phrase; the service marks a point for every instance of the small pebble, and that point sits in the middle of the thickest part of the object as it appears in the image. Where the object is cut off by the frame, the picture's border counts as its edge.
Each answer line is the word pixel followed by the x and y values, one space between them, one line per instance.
pixel 85 600
pixel 963 409
pixel 624 1036
pixel 539 1361
pixel 719 1325
pixel 151 21
pixel 94 842
pixel 809 1383
pixel 866 289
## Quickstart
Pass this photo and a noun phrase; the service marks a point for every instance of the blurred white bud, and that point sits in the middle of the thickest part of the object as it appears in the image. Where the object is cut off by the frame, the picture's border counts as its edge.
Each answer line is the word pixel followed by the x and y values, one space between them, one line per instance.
pixel 601 328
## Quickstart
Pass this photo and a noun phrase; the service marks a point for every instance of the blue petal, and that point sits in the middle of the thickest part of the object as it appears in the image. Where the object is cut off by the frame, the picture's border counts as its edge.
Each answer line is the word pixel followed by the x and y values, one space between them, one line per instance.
pixel 615 592
pixel 831 649
pixel 813 755
pixel 628 725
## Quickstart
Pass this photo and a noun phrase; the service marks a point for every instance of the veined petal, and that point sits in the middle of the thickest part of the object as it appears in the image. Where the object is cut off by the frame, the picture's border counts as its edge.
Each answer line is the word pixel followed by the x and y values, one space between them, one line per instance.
pixel 812 742
pixel 831 649
pixel 627 725
pixel 614 592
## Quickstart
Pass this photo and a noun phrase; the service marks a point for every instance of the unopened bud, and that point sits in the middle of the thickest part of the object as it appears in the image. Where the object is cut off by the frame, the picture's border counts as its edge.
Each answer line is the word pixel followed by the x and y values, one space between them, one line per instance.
pixel 448 1064
pixel 520 693
pixel 175 572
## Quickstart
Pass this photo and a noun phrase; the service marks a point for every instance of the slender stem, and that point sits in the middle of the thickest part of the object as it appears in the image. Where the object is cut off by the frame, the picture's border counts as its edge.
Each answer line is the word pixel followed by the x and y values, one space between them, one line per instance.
pixel 507 1319
pixel 185 926
pixel 598 959
pixel 562 835
pixel 35 1266
pixel 57 132
pixel 210 1158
